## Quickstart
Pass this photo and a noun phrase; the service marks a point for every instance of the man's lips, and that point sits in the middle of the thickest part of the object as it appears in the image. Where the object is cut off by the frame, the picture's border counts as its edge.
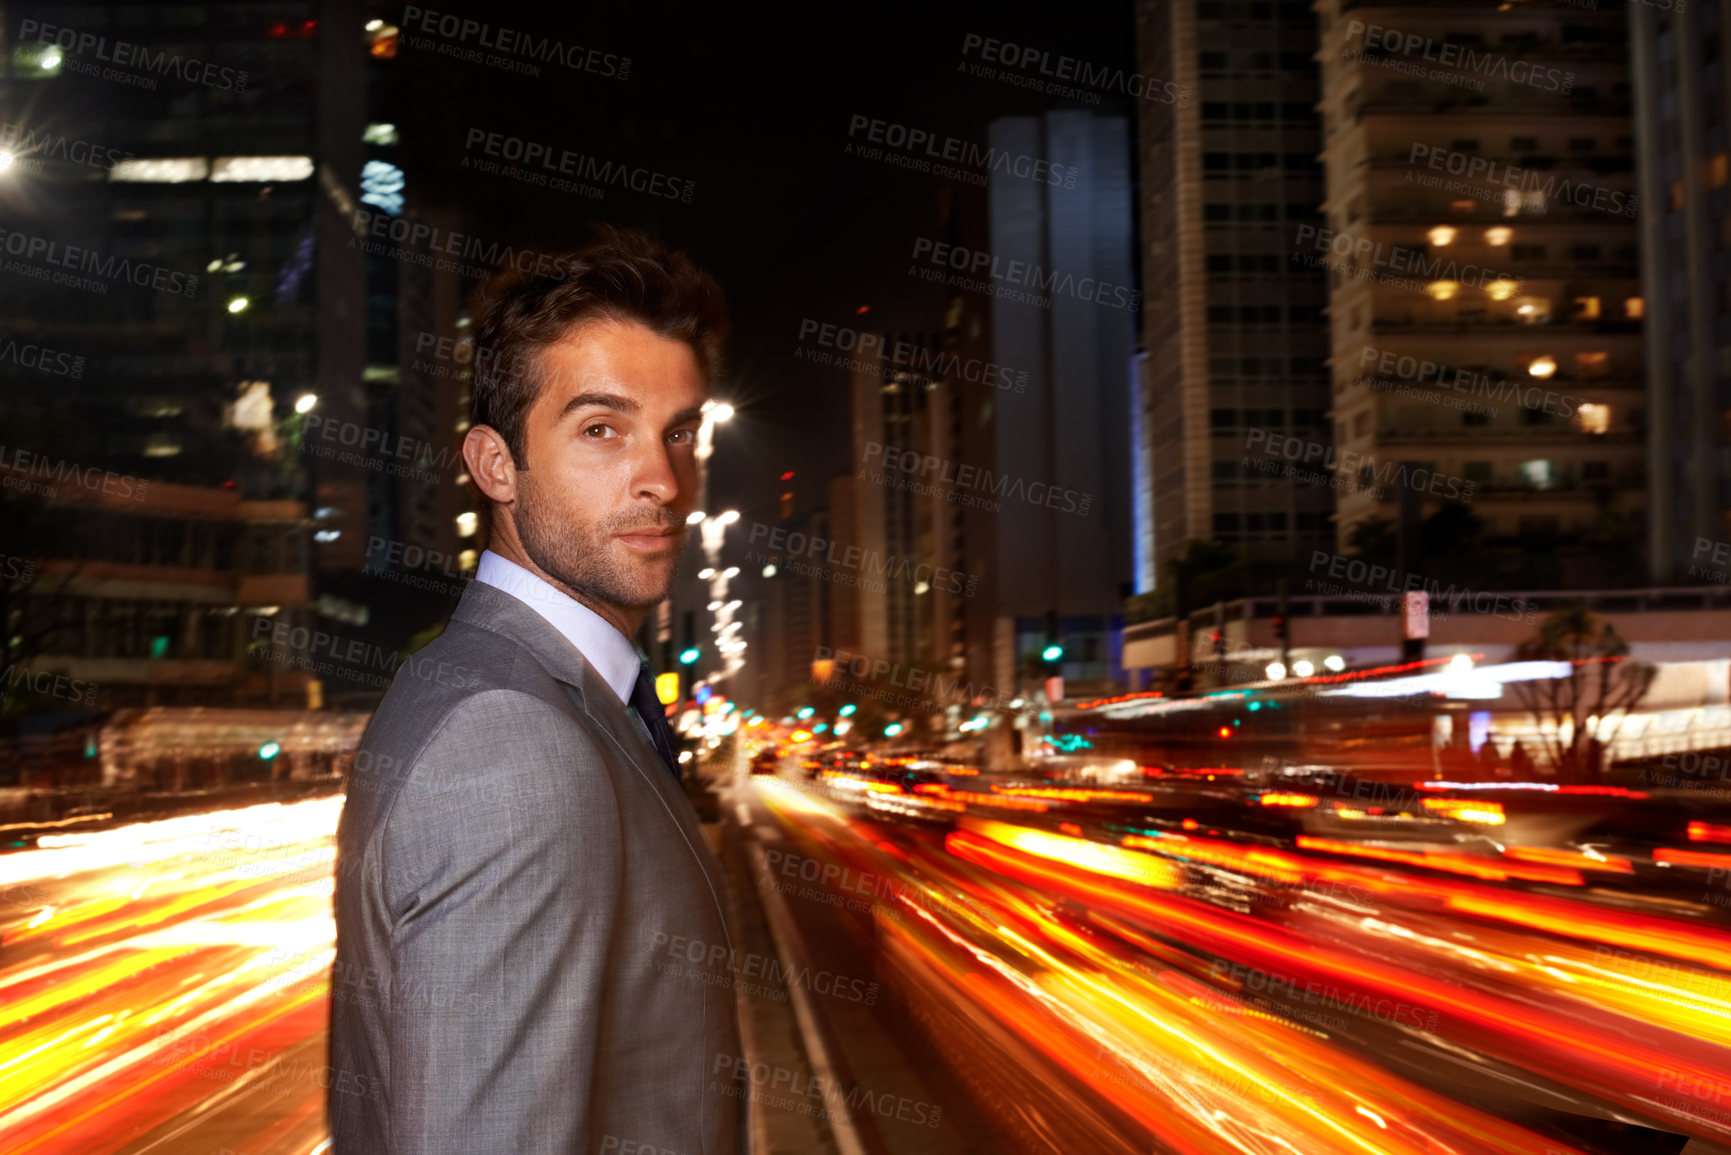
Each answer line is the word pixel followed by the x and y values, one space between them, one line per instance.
pixel 652 538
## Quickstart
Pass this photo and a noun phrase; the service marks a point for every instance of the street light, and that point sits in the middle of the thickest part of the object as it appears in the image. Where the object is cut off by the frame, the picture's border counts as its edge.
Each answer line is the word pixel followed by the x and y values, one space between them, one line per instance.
pixel 305 402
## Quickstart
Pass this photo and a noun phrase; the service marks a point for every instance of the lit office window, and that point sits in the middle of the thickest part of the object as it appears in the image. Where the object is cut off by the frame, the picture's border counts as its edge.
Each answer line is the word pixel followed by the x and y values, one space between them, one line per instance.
pixel 261 168
pixel 161 170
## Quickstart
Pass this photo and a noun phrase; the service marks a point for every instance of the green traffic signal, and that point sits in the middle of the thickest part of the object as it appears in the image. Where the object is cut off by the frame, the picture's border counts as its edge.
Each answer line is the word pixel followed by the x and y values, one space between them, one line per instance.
pixel 1052 652
pixel 689 656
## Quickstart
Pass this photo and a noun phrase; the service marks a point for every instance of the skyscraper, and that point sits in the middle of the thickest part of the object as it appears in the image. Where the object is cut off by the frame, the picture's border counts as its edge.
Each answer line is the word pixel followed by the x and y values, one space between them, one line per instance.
pixel 1485 301
pixel 1233 325
pixel 1060 534
pixel 160 193
pixel 1683 109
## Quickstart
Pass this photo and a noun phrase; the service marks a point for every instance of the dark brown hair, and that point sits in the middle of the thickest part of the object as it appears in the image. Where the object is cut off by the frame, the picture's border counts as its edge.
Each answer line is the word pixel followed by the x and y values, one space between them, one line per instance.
pixel 623 275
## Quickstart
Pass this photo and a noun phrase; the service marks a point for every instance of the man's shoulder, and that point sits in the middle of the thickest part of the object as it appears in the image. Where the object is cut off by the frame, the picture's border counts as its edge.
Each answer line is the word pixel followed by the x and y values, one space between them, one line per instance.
pixel 473 687
pixel 465 662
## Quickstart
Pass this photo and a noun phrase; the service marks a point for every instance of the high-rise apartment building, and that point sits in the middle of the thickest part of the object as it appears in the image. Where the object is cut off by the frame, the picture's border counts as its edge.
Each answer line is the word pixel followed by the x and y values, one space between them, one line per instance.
pixel 1233 325
pixel 1485 302
pixel 1683 109
pixel 197 177
pixel 901 586
pixel 1059 546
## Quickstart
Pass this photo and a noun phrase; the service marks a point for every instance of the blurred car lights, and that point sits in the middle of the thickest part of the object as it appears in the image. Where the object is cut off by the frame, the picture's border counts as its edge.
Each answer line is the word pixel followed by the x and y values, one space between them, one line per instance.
pixel 1708 832
pixel 1298 801
pixel 1467 810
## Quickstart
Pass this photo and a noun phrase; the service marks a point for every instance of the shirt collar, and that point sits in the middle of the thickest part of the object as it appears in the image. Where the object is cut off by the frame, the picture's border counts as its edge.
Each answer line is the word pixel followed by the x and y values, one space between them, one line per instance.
pixel 612 654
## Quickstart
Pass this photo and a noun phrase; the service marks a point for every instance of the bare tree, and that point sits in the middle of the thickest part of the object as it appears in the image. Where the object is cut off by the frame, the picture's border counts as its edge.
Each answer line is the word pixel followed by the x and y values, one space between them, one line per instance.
pixel 1602 683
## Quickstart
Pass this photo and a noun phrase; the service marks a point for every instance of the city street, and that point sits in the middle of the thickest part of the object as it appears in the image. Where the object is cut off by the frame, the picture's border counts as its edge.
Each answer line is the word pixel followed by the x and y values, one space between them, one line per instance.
pixel 1178 553
pixel 1225 998
pixel 973 975
pixel 166 986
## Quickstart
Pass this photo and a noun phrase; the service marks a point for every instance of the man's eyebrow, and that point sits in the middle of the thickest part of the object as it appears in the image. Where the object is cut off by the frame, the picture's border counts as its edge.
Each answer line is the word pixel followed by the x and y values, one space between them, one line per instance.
pixel 693 414
pixel 614 401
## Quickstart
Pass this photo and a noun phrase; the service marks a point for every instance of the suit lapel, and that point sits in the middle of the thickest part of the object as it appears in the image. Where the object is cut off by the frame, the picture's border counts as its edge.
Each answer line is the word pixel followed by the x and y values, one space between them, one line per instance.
pixel 491 608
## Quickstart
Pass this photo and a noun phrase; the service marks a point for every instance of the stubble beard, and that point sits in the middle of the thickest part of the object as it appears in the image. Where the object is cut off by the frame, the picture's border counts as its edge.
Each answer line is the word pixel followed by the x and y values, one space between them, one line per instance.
pixel 580 555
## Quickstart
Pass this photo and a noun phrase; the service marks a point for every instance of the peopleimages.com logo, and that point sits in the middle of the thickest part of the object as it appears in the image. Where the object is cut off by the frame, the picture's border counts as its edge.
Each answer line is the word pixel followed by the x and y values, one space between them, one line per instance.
pixel 138 56
pixel 1011 274
pixel 540 163
pixel 31 249
pixel 1460 57
pixel 373 230
pixel 498 46
pixel 1030 67
pixel 31 145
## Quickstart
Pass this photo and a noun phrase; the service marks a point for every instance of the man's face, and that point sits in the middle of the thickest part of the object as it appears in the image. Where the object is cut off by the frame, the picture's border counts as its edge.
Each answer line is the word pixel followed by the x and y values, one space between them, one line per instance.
pixel 611 443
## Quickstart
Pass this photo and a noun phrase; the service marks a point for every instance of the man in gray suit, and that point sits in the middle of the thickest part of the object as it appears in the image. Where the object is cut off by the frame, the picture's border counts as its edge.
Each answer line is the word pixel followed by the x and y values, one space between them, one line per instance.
pixel 516 852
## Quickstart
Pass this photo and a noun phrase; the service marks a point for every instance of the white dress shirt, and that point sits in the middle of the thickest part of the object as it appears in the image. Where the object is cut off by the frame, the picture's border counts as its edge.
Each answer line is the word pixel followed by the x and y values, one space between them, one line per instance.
pixel 599 641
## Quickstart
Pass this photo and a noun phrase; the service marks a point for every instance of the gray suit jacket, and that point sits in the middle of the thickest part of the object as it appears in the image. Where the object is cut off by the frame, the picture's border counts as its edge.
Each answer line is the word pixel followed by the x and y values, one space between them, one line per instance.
pixel 532 954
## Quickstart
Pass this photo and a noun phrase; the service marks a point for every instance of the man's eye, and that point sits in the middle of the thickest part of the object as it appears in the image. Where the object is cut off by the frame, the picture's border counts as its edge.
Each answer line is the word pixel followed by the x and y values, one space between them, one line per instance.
pixel 601 425
pixel 683 436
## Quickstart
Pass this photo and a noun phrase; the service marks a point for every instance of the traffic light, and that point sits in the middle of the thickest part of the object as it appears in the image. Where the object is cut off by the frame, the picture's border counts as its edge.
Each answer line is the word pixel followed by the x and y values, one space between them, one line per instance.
pixel 1218 638
pixel 269 750
pixel 1052 653
pixel 689 655
pixel 1280 628
pixel 847 710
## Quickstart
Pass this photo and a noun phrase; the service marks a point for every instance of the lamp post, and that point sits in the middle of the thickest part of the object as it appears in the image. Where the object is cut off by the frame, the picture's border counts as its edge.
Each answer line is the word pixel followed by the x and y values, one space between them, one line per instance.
pixel 727 644
pixel 713 529
pixel 714 413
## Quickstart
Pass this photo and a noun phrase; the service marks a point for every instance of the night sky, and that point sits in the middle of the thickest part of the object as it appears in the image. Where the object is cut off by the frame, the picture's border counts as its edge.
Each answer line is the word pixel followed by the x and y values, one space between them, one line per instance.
pixel 755 109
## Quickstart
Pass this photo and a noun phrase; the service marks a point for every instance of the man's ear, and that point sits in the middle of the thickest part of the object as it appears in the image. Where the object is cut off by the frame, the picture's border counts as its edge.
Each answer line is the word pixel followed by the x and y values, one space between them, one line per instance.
pixel 490 464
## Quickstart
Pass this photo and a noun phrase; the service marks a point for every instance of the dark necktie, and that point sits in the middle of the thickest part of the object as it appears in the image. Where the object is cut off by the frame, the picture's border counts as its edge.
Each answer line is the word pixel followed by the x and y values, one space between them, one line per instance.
pixel 654 718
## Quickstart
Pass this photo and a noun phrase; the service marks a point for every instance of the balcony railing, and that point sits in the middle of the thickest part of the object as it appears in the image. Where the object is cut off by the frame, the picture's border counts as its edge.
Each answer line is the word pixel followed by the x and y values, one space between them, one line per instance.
pixel 1515 435
pixel 1502 106
pixel 1558 166
pixel 1503 326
